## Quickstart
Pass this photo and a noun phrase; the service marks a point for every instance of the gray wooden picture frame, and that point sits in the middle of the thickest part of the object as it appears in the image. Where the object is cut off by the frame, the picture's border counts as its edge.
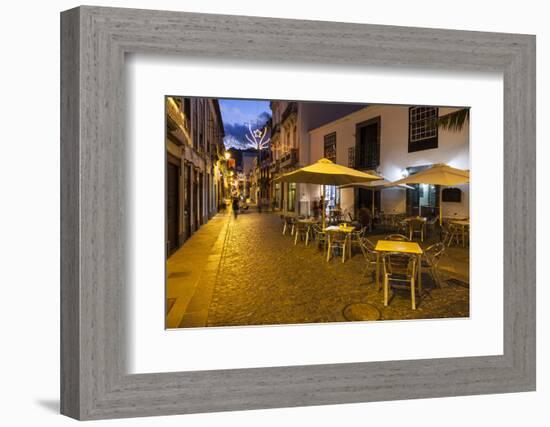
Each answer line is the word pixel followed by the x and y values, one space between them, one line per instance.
pixel 94 269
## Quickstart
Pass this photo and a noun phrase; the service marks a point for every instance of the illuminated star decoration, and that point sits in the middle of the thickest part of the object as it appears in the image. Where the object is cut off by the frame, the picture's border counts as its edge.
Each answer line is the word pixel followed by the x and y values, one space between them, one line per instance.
pixel 256 138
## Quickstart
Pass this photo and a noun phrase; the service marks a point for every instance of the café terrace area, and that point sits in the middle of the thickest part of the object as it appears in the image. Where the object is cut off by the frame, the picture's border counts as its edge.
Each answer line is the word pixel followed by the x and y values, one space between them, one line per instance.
pixel 266 267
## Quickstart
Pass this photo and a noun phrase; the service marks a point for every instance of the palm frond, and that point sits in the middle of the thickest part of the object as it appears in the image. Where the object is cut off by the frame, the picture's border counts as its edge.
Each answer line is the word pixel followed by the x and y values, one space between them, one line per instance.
pixel 454 121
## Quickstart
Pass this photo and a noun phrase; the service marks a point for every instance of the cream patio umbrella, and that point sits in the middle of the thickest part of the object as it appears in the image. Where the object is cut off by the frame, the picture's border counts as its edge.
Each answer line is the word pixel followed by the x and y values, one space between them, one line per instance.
pixel 325 172
pixel 437 174
pixel 379 184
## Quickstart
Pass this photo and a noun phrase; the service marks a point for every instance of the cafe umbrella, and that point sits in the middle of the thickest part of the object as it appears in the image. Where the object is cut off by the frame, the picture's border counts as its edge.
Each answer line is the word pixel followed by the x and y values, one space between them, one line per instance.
pixel 437 174
pixel 377 185
pixel 325 172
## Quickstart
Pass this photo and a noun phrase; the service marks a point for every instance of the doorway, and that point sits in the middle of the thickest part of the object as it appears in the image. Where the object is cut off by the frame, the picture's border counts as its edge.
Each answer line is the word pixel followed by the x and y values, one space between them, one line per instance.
pixel 196 221
pixel 422 199
pixel 367 144
pixel 172 205
pixel 364 198
pixel 187 196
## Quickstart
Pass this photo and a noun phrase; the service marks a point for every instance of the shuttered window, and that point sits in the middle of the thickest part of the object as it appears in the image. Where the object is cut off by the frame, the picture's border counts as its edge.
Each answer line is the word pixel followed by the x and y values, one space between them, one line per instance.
pixel 330 146
pixel 423 134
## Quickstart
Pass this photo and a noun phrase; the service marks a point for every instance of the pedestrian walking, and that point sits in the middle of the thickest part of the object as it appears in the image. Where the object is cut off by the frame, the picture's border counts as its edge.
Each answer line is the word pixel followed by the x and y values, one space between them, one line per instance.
pixel 235 206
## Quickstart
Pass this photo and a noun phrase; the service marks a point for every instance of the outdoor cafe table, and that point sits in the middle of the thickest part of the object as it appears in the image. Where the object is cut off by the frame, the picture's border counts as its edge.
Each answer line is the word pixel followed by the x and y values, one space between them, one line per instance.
pixel 338 229
pixel 309 222
pixel 463 224
pixel 398 246
pixel 390 217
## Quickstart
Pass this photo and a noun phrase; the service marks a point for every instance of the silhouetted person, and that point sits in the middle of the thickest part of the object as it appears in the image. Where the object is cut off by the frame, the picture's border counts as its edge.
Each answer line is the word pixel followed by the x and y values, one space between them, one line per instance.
pixel 364 216
pixel 235 206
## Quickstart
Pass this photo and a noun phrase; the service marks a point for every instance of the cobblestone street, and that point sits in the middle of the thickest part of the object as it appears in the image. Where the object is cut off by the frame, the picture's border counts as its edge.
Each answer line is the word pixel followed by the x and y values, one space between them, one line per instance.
pixel 254 275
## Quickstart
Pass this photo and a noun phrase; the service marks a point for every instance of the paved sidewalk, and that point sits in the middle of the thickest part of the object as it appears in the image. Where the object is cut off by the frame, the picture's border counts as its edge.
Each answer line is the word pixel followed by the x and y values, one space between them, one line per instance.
pixel 245 272
pixel 191 272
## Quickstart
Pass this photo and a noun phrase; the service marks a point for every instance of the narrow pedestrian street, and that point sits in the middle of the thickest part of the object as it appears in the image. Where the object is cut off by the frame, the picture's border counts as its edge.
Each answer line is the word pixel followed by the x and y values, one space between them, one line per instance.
pixel 244 271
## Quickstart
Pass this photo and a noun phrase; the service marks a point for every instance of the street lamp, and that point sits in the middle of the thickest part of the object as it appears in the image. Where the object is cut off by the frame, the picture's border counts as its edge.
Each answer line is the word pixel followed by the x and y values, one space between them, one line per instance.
pixel 227 155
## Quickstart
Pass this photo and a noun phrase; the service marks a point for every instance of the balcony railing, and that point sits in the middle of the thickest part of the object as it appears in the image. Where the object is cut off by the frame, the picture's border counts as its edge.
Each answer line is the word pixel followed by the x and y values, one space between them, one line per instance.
pixel 177 122
pixel 291 158
pixel 356 161
pixel 291 109
pixel 274 166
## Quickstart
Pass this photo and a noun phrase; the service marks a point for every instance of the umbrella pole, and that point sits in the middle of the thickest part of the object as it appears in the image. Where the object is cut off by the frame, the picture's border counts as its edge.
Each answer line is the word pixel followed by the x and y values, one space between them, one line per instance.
pixel 323 207
pixel 440 206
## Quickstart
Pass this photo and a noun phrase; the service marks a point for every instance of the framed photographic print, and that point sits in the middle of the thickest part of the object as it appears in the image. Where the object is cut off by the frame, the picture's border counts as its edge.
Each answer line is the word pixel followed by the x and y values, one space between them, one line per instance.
pixel 295 213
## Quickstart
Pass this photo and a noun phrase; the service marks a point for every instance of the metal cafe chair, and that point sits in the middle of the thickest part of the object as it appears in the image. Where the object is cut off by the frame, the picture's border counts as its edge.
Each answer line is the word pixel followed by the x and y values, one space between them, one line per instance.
pixel 446 232
pixel 397 238
pixel 301 230
pixel 454 234
pixel 399 271
pixel 384 220
pixel 401 226
pixel 461 234
pixel 335 216
pixel 356 237
pixel 430 261
pixel 288 225
pixel 320 235
pixel 370 255
pixel 416 225
pixel 431 225
pixel 337 240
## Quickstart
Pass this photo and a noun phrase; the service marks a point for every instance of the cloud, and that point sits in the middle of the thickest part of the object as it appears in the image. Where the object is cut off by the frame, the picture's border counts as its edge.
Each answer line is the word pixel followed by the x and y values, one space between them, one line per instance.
pixel 264 117
pixel 235 132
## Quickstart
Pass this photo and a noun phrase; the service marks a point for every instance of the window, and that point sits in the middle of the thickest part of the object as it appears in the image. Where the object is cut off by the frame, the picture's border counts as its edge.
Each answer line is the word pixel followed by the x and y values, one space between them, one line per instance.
pixel 367 144
pixel 332 196
pixel 423 133
pixel 195 124
pixel 291 197
pixel 330 146
pixel 187 107
pixel 422 199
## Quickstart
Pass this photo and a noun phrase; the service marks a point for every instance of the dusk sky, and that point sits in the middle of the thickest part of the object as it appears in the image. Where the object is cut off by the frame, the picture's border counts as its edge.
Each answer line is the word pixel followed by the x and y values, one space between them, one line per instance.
pixel 236 114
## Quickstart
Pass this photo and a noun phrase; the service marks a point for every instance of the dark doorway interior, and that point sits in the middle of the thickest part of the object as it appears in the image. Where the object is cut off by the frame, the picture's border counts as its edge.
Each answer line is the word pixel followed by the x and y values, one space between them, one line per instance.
pixel 364 198
pixel 367 144
pixel 423 199
pixel 172 206
pixel 196 200
pixel 187 212
pixel 201 198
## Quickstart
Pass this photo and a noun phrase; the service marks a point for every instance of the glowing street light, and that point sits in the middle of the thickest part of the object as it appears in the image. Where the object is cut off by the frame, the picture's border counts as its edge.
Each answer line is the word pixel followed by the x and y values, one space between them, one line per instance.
pixel 227 155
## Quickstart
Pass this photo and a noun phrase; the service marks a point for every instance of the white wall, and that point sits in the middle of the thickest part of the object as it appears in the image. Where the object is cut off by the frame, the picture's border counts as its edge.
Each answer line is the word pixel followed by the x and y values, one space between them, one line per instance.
pixel 394 156
pixel 310 116
pixel 29 218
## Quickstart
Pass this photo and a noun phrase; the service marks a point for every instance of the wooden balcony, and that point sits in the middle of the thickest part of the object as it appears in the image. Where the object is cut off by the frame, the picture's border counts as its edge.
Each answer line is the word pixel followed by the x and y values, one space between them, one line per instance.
pixel 177 122
pixel 274 166
pixel 290 111
pixel 290 158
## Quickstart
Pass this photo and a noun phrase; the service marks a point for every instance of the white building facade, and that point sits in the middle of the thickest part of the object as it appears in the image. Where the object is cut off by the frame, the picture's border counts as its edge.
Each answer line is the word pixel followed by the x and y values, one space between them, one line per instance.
pixel 195 187
pixel 290 147
pixel 393 141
